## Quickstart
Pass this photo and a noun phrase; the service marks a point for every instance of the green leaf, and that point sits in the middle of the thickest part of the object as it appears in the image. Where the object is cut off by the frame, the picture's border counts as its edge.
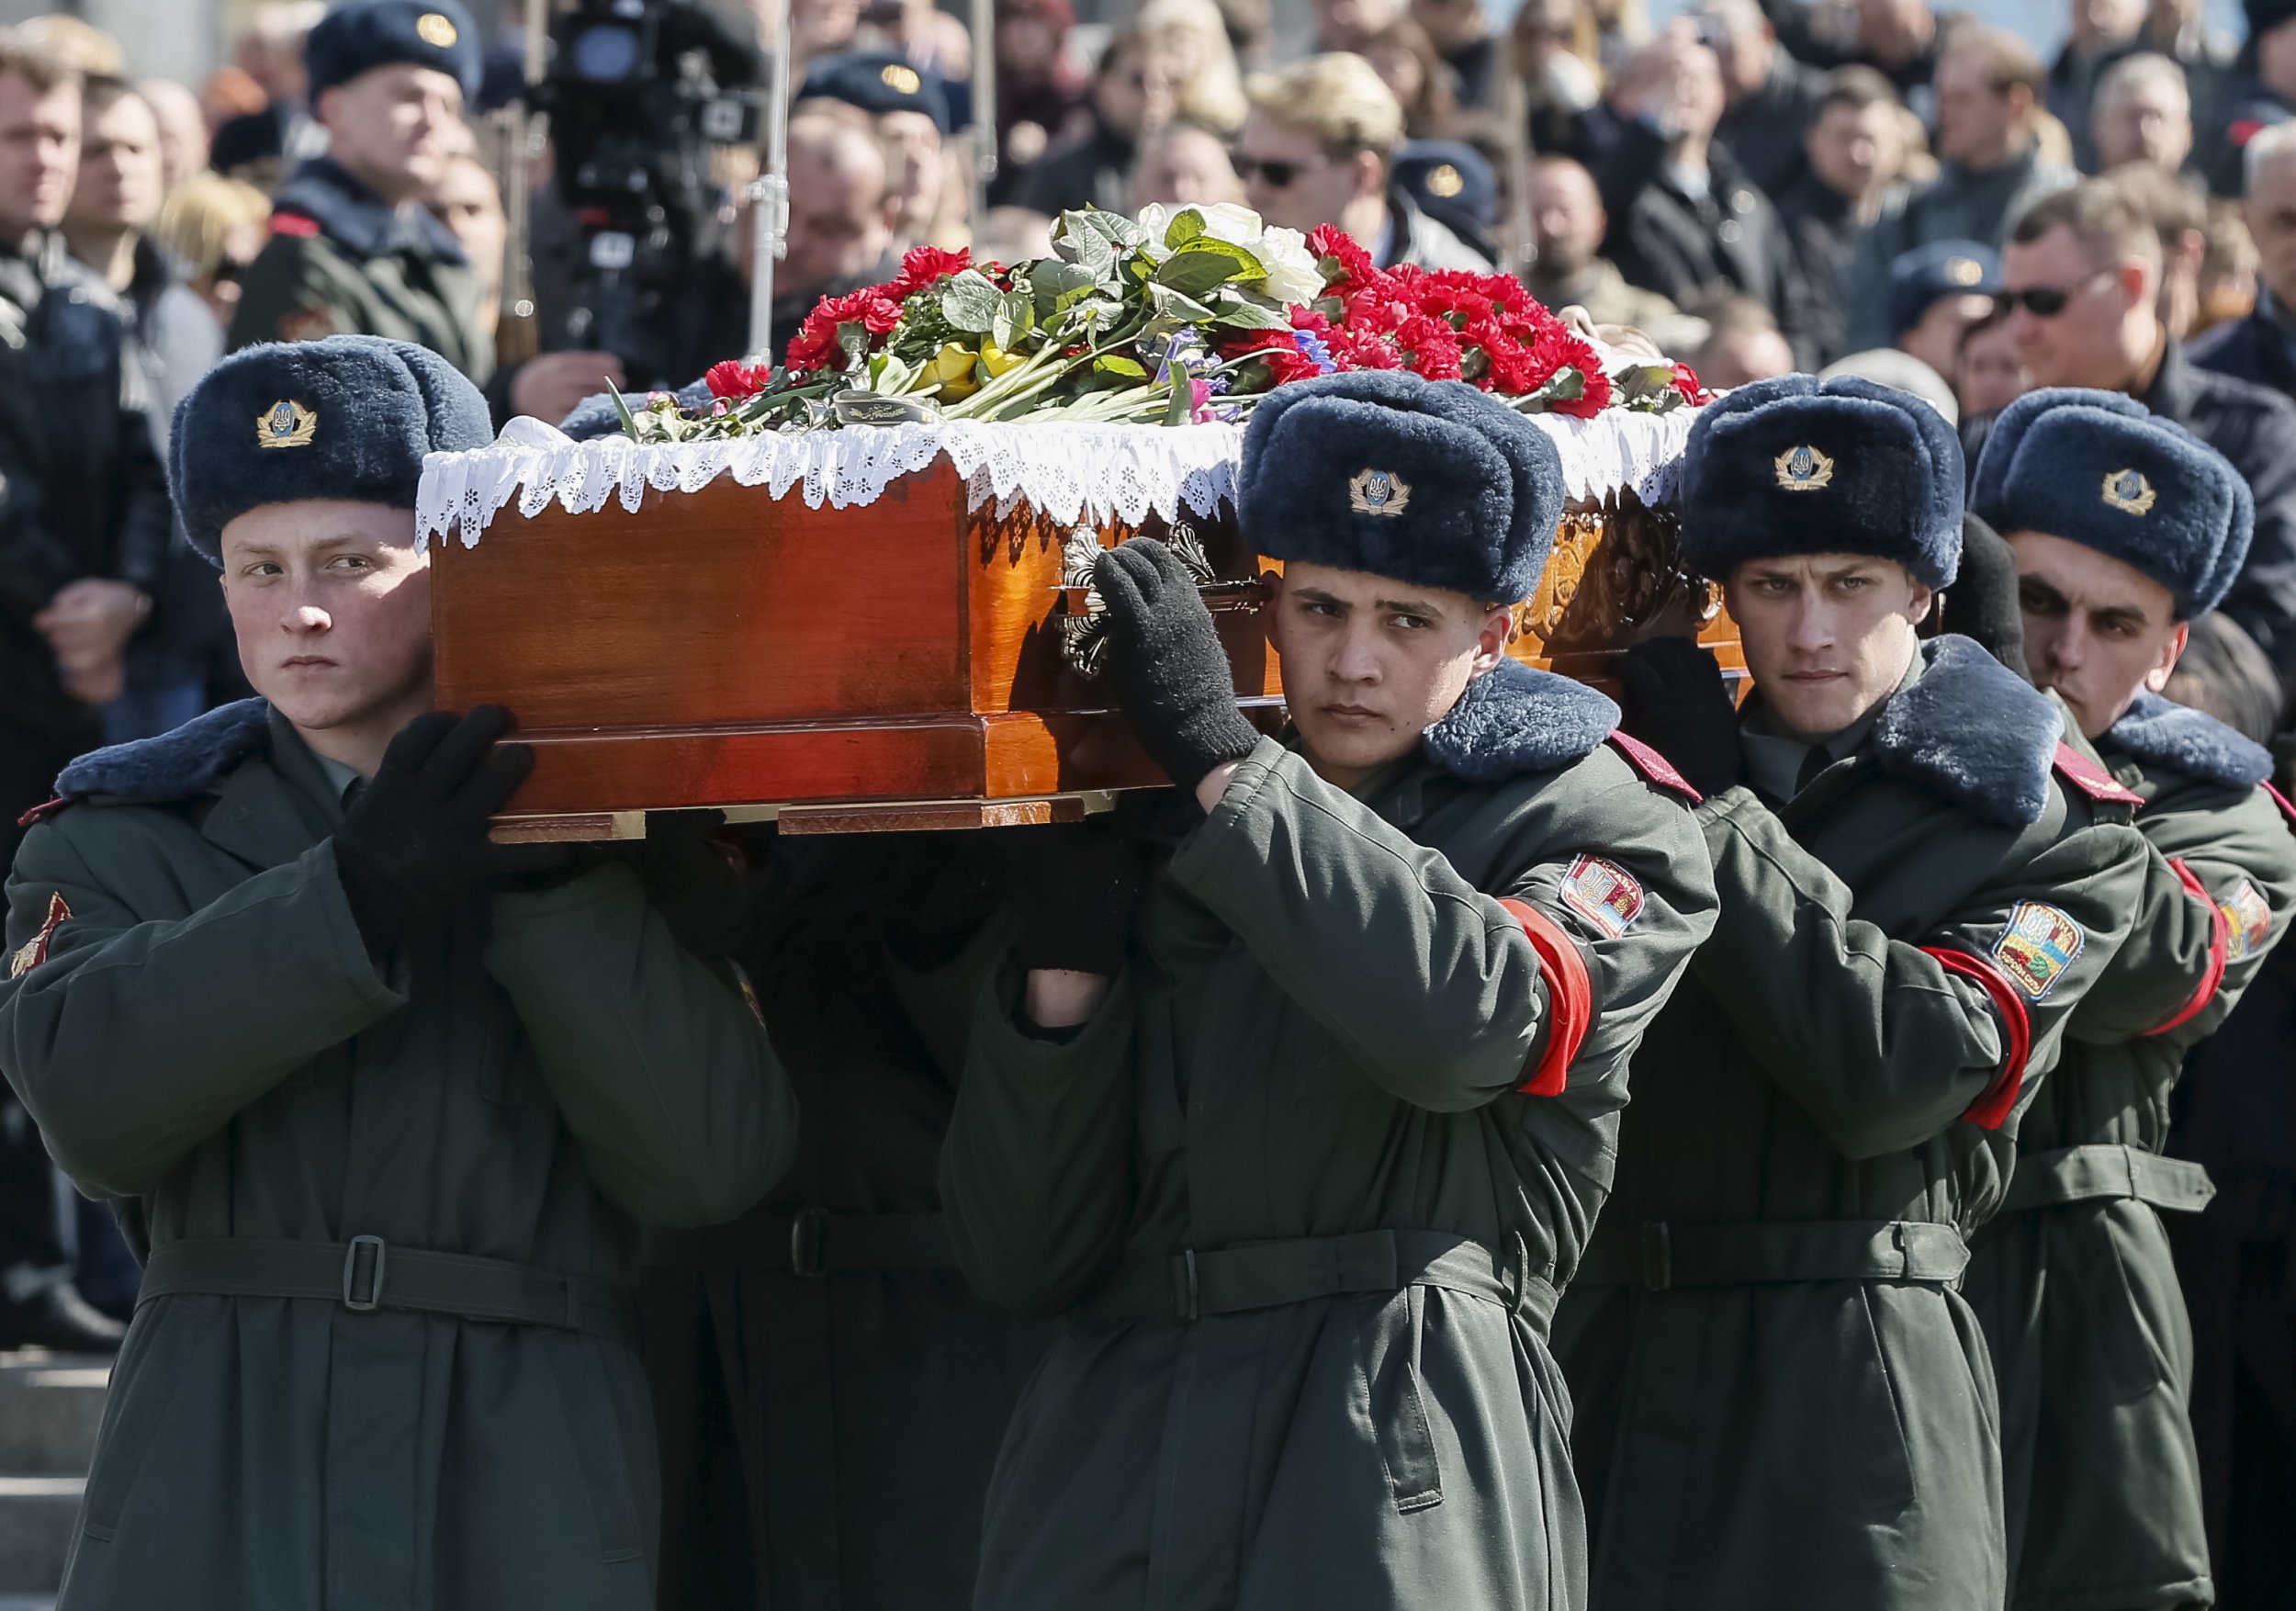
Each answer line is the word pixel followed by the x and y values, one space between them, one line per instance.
pixel 1015 316
pixel 1180 408
pixel 970 303
pixel 1233 312
pixel 1179 307
pixel 1187 226
pixel 889 376
pixel 1118 363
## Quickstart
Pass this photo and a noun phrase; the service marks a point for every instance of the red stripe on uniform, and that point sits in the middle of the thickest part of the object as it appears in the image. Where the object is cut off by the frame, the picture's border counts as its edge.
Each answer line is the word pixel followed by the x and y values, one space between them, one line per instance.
pixel 2093 779
pixel 1570 999
pixel 295 224
pixel 2219 940
pixel 1655 767
pixel 42 813
pixel 1992 1109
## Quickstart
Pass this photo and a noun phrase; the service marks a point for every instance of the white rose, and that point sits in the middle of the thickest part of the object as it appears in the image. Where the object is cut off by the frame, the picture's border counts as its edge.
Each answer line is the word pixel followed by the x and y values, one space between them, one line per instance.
pixel 1291 272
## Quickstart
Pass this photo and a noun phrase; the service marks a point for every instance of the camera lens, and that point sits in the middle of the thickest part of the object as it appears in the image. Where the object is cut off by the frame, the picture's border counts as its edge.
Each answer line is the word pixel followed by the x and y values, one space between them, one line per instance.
pixel 607 54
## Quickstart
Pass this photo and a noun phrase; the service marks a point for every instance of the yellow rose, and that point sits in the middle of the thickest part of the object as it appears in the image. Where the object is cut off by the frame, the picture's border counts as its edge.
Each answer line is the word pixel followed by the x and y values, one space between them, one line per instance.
pixel 952 367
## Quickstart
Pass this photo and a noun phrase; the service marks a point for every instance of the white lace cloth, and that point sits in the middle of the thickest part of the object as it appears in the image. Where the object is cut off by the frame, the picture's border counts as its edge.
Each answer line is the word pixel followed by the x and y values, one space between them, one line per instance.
pixel 1070 471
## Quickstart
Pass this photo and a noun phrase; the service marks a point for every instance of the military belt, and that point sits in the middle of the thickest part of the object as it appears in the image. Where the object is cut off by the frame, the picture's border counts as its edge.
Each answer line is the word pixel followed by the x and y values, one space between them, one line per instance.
pixel 2105 1170
pixel 367 1274
pixel 1196 1282
pixel 810 1242
pixel 1659 1253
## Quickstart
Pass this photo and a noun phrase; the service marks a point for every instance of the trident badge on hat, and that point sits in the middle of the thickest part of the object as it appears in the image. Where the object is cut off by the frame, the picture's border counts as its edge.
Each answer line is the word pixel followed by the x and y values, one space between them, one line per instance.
pixel 2130 492
pixel 1803 468
pixel 285 424
pixel 1379 492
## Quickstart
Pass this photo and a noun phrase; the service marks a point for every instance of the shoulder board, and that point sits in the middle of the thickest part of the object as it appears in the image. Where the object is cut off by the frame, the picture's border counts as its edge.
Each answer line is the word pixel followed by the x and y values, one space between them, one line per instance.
pixel 2093 779
pixel 2288 809
pixel 38 814
pixel 1654 767
pixel 299 225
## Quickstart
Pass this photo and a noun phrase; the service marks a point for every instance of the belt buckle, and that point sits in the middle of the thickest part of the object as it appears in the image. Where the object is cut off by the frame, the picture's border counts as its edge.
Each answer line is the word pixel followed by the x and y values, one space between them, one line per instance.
pixel 809 1235
pixel 1184 1292
pixel 1658 1256
pixel 374 1298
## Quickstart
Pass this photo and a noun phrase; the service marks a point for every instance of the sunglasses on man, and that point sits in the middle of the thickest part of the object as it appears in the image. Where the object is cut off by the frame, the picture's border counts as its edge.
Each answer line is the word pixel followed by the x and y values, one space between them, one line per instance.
pixel 2048 301
pixel 1279 174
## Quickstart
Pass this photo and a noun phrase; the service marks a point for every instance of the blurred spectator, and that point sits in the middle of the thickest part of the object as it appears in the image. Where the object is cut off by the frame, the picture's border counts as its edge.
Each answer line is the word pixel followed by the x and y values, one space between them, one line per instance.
pixel 1347 25
pixel 1988 371
pixel 265 143
pixel 1901 39
pixel 1988 85
pixel 2102 32
pixel 920 33
pixel 1769 98
pixel 1463 39
pixel 2142 113
pixel 1405 60
pixel 909 107
pixel 213 227
pixel 1685 221
pixel 1183 162
pixel 2228 268
pixel 817 28
pixel 469 201
pixel 1456 185
pixel 1554 46
pixel 2261 348
pixel 841 218
pixel 1039 85
pixel 1318 147
pixel 183 130
pixel 2180 30
pixel 1133 95
pixel 90 51
pixel 1855 147
pixel 2222 673
pixel 1743 344
pixel 1569 223
pixel 2083 274
pixel 1621 29
pixel 2179 218
pixel 1936 293
pixel 351 250
pixel 1901 371
pixel 2258 92
pixel 1192 37
pixel 83 537
pixel 229 92
pixel 1250 26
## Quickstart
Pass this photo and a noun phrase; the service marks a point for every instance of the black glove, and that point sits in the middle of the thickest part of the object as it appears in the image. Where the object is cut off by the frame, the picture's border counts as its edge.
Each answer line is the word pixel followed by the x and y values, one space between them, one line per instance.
pixel 1172 678
pixel 1983 602
pixel 1074 887
pixel 413 846
pixel 701 887
pixel 1675 701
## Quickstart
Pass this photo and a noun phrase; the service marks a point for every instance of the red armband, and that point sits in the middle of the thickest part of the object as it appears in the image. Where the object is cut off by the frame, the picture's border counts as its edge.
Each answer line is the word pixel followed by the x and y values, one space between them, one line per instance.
pixel 1992 1109
pixel 1570 999
pixel 299 225
pixel 2220 940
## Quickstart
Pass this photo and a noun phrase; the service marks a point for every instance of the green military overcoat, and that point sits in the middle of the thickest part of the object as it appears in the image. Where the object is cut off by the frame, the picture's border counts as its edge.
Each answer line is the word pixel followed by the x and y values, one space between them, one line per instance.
pixel 1298 1118
pixel 1782 1398
pixel 2073 1280
pixel 341 262
pixel 195 1024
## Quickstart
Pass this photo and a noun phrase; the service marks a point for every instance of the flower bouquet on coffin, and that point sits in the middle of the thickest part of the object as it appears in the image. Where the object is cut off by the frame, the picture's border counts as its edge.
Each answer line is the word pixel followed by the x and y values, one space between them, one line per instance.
pixel 1180 314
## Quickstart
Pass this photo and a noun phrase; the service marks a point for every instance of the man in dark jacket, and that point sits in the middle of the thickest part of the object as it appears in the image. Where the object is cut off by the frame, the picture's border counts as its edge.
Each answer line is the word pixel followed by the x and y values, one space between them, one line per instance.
pixel 83 536
pixel 1782 1398
pixel 2125 529
pixel 1303 1151
pixel 383 1104
pixel 2261 348
pixel 1134 91
pixel 1852 150
pixel 351 250
pixel 1770 98
pixel 2082 274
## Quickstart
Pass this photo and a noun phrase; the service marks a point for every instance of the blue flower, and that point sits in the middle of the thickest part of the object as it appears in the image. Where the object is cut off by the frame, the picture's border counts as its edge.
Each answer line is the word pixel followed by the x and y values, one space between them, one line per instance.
pixel 1311 347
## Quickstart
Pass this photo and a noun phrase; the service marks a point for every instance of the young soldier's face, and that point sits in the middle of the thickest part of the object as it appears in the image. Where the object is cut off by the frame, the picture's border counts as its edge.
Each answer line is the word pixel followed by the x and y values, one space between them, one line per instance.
pixel 1370 663
pixel 1826 637
pixel 330 601
pixel 2098 631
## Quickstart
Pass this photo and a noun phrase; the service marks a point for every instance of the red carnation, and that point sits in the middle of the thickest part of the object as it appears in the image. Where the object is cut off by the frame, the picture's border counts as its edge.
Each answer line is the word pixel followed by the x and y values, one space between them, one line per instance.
pixel 737 380
pixel 1694 390
pixel 1340 258
pixel 921 266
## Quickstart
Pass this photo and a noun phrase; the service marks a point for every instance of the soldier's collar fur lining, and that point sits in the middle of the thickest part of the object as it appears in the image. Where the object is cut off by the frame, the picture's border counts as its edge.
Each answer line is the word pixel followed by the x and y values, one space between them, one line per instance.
pixel 1972 731
pixel 2160 731
pixel 175 765
pixel 1514 719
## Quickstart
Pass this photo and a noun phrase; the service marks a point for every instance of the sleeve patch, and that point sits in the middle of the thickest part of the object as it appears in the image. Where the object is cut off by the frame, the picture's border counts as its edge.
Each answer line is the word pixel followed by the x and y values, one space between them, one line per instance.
pixel 2036 946
pixel 2248 920
pixel 34 951
pixel 1603 893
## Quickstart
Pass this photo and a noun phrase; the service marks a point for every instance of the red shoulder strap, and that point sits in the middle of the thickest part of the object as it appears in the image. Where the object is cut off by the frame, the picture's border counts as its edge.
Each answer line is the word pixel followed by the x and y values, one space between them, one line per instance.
pixel 2288 809
pixel 43 812
pixel 2091 779
pixel 299 225
pixel 1654 766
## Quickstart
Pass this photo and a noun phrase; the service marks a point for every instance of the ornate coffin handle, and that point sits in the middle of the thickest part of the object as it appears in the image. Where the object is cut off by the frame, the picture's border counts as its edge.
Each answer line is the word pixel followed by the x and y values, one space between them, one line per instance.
pixel 1078 610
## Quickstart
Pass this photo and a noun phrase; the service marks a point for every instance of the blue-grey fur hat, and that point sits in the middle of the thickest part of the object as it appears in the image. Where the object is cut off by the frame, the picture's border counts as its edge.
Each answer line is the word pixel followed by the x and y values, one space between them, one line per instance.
pixel 1792 466
pixel 2101 469
pixel 877 81
pixel 349 417
pixel 1428 482
pixel 366 34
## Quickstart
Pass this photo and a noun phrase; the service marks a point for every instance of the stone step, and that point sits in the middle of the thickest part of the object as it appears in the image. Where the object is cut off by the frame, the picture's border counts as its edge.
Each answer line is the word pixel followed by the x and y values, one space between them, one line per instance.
pixel 36 1520
pixel 49 1407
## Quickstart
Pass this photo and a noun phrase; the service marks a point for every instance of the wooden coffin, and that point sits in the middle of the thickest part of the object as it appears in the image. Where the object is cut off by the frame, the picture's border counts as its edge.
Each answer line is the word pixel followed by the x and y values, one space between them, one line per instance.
pixel 906 664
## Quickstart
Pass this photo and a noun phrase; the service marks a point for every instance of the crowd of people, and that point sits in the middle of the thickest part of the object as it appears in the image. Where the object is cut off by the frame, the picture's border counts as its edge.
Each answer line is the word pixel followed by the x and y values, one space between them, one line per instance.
pixel 2005 272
